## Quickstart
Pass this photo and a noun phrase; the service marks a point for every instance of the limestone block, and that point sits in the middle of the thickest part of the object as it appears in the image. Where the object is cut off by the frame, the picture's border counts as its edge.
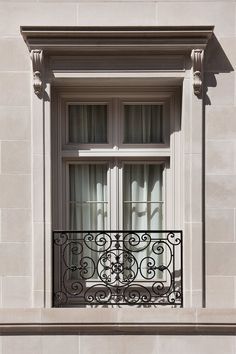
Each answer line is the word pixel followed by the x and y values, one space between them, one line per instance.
pixel 17 292
pixel 16 225
pixel 220 259
pixel 14 123
pixel 220 292
pixel 221 122
pixel 14 55
pixel 15 157
pixel 15 259
pixel 220 157
pixel 220 14
pixel 220 191
pixel 117 14
pixel 22 345
pixel 15 191
pixel 34 14
pixel 14 88
pixel 220 225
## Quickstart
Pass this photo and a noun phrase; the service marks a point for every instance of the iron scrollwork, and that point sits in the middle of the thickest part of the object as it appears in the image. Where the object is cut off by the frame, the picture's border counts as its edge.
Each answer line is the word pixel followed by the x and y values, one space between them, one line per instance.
pixel 117 268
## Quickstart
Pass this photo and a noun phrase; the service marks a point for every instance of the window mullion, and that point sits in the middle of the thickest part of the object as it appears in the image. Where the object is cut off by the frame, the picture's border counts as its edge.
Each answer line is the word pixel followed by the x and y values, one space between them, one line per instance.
pixel 113 195
pixel 115 123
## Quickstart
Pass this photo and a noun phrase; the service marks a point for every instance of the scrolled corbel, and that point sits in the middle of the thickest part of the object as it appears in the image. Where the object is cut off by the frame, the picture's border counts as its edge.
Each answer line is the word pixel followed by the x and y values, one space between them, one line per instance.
pixel 197 61
pixel 37 63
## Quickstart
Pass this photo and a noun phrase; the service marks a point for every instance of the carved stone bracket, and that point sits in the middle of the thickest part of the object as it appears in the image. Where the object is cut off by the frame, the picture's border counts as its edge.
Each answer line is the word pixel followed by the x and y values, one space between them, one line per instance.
pixel 197 60
pixel 37 61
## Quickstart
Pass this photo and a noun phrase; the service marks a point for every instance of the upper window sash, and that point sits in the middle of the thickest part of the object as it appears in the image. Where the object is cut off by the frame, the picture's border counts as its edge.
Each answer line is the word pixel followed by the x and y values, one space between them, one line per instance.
pixel 67 134
pixel 164 141
pixel 114 126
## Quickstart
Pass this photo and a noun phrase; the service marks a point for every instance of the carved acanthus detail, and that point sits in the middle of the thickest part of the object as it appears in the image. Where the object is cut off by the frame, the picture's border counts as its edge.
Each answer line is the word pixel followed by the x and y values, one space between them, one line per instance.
pixel 197 60
pixel 37 60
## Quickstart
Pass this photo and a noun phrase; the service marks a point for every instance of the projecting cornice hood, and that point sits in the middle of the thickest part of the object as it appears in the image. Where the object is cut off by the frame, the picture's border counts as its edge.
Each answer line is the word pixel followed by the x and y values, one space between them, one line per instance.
pixel 180 38
pixel 171 40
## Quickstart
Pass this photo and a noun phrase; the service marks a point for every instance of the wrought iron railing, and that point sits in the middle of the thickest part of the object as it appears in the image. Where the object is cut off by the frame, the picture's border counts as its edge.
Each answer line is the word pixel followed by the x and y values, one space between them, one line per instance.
pixel 117 268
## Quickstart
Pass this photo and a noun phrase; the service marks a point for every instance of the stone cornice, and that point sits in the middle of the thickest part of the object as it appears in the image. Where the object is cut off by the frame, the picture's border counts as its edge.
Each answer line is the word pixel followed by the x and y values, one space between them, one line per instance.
pixel 155 38
pixel 116 41
pixel 118 321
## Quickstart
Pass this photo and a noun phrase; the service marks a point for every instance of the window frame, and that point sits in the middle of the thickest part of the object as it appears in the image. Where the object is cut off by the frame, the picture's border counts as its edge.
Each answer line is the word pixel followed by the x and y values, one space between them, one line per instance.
pixel 166 120
pixel 164 153
pixel 83 146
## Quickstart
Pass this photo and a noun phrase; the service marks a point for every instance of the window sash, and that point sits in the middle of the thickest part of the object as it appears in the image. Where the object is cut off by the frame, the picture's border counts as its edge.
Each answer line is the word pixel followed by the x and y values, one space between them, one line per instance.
pixel 87 202
pixel 115 199
pixel 88 123
pixel 115 126
pixel 142 123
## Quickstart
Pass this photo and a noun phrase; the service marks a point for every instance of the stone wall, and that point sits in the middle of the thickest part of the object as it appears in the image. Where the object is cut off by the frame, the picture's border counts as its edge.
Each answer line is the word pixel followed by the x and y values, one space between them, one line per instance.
pixel 16 243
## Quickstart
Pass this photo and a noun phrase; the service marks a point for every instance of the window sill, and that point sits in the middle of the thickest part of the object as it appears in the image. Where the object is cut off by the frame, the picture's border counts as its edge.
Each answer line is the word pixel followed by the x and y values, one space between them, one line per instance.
pixel 132 321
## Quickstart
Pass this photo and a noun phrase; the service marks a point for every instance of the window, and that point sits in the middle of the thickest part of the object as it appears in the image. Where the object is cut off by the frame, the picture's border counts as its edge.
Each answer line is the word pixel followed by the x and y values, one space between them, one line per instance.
pixel 122 192
pixel 115 158
pixel 138 59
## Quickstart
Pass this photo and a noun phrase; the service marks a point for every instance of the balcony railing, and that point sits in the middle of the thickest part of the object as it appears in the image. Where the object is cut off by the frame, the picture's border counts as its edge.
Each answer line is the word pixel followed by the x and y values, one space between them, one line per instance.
pixel 117 268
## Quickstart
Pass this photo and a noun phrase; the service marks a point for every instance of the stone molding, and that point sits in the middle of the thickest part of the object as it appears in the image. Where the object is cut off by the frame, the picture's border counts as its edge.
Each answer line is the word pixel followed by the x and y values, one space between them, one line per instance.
pixel 37 66
pixel 61 41
pixel 197 63
pixel 118 321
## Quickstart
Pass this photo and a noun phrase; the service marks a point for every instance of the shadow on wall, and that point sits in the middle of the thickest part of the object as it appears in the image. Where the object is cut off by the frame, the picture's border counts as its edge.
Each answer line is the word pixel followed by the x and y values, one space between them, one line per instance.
pixel 215 62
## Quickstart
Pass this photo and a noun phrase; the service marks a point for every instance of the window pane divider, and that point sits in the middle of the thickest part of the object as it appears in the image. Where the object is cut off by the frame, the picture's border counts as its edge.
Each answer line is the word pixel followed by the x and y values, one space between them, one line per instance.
pixel 146 202
pixel 115 153
pixel 87 202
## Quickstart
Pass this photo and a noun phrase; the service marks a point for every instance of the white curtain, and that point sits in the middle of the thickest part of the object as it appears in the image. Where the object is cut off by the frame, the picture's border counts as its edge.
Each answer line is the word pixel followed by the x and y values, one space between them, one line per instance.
pixel 87 124
pixel 143 208
pixel 143 124
pixel 142 196
pixel 142 183
pixel 88 197
pixel 88 211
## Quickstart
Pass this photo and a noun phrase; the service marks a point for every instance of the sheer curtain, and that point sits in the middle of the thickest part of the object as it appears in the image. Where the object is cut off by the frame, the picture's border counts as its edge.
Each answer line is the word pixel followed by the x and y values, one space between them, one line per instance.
pixel 88 212
pixel 88 123
pixel 88 197
pixel 142 196
pixel 142 182
pixel 143 208
pixel 143 124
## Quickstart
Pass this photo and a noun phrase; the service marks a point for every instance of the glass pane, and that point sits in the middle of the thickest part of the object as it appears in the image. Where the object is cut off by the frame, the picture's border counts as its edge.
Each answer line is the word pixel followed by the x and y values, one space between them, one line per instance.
pixel 88 211
pixel 143 206
pixel 142 198
pixel 143 124
pixel 88 124
pixel 88 197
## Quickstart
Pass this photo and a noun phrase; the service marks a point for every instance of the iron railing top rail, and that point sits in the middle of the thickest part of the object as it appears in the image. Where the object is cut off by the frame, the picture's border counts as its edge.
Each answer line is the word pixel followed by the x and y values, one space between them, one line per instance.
pixel 118 231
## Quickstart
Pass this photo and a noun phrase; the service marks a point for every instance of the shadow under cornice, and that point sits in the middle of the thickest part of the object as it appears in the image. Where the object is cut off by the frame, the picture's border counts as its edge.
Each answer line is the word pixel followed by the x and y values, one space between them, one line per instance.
pixel 215 62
